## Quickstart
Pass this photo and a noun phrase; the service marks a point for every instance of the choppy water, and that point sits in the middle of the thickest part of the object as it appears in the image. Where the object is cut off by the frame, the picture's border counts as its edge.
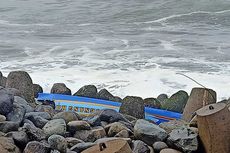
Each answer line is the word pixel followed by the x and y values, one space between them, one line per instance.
pixel 131 47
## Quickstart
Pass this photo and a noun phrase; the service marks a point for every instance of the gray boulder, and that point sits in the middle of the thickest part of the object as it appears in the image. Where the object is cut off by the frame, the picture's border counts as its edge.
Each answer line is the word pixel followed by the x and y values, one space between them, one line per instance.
pixel 33 132
pixel 60 88
pixel 21 80
pixel 22 102
pixel 159 145
pixel 44 115
pixel 37 147
pixel 7 146
pixel 6 103
pixel 37 89
pixel 67 116
pixel 162 97
pixel 148 132
pixel 74 126
pixel 72 141
pixel 110 116
pixel 183 139
pixel 133 106
pixel 152 102
pixel 2 118
pixel 38 121
pixel 20 138
pixel 17 114
pixel 176 102
pixel 87 91
pixel 58 142
pixel 106 95
pixel 55 126
pixel 1 78
pixel 140 147
pixel 45 108
pixel 8 126
pixel 4 79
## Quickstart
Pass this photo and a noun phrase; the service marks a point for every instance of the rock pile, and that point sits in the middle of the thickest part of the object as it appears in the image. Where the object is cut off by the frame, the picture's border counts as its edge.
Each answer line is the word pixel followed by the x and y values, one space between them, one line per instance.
pixel 27 128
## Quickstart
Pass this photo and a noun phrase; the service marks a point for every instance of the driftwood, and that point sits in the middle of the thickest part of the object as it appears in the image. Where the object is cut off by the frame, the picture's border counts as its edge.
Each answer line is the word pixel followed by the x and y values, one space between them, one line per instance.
pixel 214 128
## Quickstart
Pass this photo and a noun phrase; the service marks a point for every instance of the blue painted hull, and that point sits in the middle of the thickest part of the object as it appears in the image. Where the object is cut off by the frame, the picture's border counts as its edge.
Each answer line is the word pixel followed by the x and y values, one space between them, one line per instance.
pixel 89 105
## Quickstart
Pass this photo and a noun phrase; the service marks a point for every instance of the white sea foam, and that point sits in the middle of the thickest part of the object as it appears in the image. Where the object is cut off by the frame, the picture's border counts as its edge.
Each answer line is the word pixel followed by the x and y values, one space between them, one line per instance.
pixel 4 22
pixel 168 45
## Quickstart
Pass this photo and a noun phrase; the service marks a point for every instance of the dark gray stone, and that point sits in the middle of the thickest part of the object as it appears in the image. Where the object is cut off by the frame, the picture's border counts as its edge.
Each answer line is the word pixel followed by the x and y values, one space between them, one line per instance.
pixel 148 132
pixel 67 116
pixel 152 102
pixel 20 138
pixel 140 147
pixel 87 91
pixel 38 121
pixel 58 142
pixel 60 88
pixel 8 126
pixel 37 89
pixel 17 114
pixel 11 91
pixel 110 115
pixel 23 103
pixel 74 126
pixel 21 80
pixel 133 106
pixel 73 141
pixel 6 103
pixel 33 132
pixel 183 139
pixel 45 108
pixel 106 95
pixel 159 145
pixel 44 115
pixel 4 79
pixel 7 146
pixel 36 147
pixel 55 126
pixel 176 102
pixel 162 97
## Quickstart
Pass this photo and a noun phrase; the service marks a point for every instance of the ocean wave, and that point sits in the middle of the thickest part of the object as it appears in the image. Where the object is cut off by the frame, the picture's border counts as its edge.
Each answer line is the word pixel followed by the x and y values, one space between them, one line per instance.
pixel 185 14
pixel 4 22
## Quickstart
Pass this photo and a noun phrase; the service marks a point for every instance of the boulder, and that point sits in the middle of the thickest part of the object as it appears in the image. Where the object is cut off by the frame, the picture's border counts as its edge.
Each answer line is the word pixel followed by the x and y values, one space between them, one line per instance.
pixel 8 126
pixel 4 79
pixel 6 103
pixel 82 146
pixel 74 126
pixel 7 146
pixel 110 116
pixel 37 147
pixel 33 132
pixel 162 97
pixel 176 102
pixel 21 80
pixel 148 132
pixel 55 126
pixel 133 106
pixel 171 125
pixel 20 138
pixel 114 128
pixel 2 118
pixel 106 95
pixel 87 91
pixel 93 120
pixel 169 150
pixel 122 134
pixel 37 89
pixel 152 102
pixel 38 121
pixel 67 116
pixel 58 142
pixel 140 147
pixel 90 135
pixel 184 139
pixel 22 102
pixel 1 78
pixel 82 135
pixel 159 145
pixel 44 115
pixel 12 91
pixel 60 88
pixel 17 114
pixel 45 108
pixel 72 141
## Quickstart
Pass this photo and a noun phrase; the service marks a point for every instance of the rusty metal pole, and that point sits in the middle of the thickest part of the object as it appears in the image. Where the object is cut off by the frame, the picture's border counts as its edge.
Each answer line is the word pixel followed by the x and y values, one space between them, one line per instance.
pixel 198 98
pixel 214 128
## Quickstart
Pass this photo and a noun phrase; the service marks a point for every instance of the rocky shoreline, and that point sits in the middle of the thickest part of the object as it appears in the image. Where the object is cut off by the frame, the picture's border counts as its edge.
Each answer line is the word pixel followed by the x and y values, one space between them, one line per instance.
pixel 29 127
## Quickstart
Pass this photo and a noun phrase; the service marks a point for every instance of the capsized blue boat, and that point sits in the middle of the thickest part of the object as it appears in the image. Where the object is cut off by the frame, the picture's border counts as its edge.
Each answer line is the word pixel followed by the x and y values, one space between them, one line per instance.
pixel 86 105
